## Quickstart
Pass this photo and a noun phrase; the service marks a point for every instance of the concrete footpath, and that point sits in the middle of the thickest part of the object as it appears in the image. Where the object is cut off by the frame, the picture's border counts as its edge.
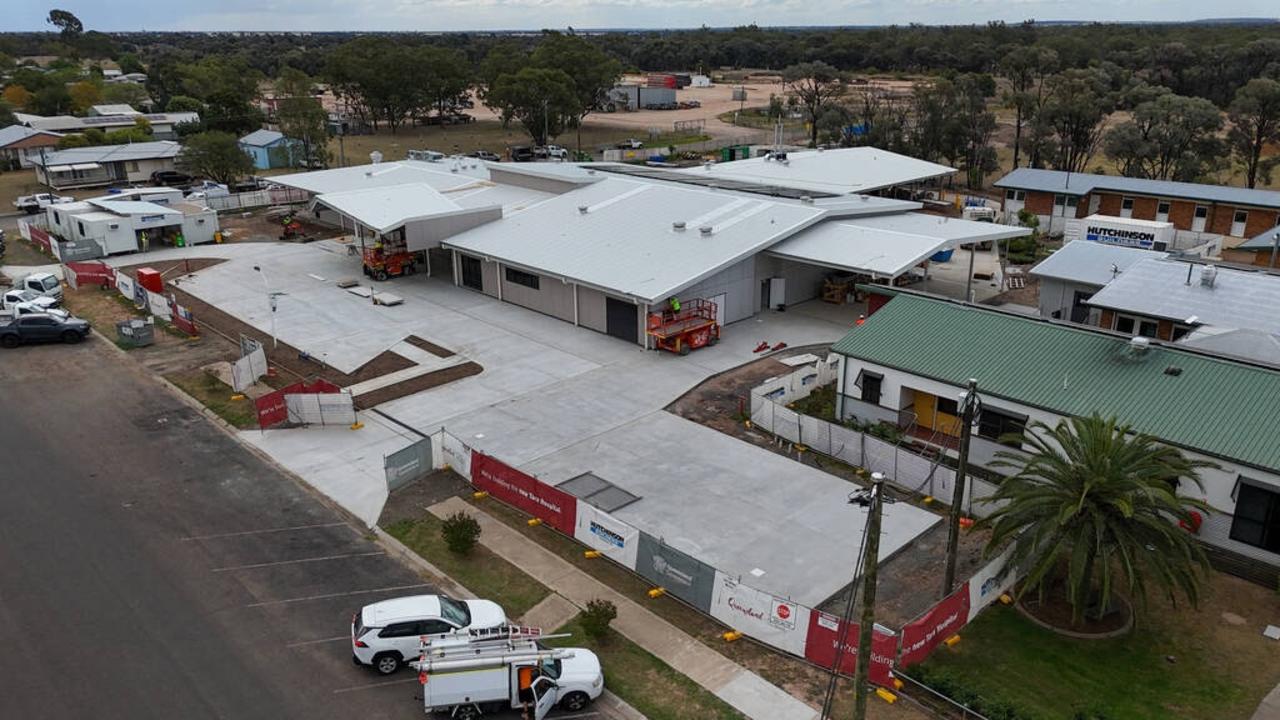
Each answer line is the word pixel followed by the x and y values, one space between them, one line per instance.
pixel 1269 709
pixel 744 690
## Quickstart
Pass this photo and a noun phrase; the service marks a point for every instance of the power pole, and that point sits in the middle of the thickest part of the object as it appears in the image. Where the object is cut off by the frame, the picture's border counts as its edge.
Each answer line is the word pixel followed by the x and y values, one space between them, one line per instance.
pixel 957 498
pixel 870 567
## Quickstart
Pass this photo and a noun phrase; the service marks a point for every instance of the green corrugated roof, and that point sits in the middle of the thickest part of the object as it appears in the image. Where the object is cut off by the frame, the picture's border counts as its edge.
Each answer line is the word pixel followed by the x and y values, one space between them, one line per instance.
pixel 1222 408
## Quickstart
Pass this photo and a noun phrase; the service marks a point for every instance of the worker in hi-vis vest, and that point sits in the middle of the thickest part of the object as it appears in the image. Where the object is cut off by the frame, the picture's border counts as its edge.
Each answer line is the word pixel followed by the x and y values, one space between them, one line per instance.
pixel 675 305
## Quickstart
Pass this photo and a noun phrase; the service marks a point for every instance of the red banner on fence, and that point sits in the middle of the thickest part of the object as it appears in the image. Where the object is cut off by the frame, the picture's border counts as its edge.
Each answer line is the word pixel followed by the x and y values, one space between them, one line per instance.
pixel 823 644
pixel 93 273
pixel 272 408
pixel 556 507
pixel 922 635
pixel 41 238
pixel 182 318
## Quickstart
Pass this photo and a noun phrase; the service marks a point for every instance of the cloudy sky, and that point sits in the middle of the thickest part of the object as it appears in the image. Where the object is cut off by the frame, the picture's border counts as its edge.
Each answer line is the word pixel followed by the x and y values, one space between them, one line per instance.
pixel 428 15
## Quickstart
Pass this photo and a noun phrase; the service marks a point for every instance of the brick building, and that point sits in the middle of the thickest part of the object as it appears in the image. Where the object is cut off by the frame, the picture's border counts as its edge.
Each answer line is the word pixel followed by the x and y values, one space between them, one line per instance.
pixel 1199 212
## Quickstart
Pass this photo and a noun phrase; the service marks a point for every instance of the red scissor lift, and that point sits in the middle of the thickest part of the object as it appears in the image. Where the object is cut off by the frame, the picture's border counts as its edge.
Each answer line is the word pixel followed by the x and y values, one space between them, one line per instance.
pixel 692 327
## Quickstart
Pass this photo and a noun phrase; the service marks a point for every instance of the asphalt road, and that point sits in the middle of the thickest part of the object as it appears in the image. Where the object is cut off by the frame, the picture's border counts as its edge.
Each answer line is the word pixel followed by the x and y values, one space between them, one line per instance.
pixel 151 567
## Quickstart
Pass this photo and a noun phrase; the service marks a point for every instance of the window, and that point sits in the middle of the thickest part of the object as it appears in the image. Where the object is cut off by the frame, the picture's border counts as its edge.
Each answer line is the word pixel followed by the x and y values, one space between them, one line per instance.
pixel 1162 208
pixel 994 424
pixel 1148 328
pixel 133 166
pixel 948 407
pixel 397 630
pixel 1125 324
pixel 1126 203
pixel 870 383
pixel 81 226
pixel 1257 517
pixel 1180 331
pixel 1015 195
pixel 434 627
pixel 1241 216
pixel 1202 212
pixel 520 277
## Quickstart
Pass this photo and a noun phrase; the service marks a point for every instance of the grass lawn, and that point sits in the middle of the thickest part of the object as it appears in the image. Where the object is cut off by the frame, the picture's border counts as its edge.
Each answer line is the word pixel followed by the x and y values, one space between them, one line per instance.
pixel 214 394
pixel 481 572
pixel 644 681
pixel 20 252
pixel 1177 663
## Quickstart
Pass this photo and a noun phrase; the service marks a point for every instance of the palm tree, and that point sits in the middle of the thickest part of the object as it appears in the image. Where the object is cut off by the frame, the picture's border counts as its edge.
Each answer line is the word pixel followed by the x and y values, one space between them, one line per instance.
pixel 1095 503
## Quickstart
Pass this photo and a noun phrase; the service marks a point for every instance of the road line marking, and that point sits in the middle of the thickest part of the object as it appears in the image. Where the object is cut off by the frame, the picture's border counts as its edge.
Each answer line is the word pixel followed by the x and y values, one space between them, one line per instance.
pixel 317 642
pixel 292 562
pixel 371 686
pixel 335 595
pixel 260 532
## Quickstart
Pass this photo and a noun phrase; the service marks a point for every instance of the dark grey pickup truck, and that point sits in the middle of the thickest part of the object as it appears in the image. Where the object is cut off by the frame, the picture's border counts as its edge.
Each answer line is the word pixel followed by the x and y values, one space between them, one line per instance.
pixel 41 328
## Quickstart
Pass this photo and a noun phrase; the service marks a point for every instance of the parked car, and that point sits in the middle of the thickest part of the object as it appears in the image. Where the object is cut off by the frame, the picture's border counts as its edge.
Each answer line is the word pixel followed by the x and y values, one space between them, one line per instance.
pixel 32 204
pixel 41 328
pixel 13 298
pixel 45 284
pixel 485 155
pixel 555 151
pixel 26 308
pixel 170 178
pixel 630 144
pixel 522 153
pixel 385 635
pixel 206 189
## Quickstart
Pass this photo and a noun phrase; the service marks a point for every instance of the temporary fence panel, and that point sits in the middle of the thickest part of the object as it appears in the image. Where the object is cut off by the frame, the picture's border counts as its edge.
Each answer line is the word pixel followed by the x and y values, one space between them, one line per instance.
pixel 786 423
pixel 321 408
pixel 823 646
pixel 773 620
pixel 455 454
pixel 246 371
pixel 815 434
pixel 992 581
pixel 682 575
pixel 617 540
pixel 90 273
pixel 77 250
pixel 761 412
pixel 273 409
pixel 158 305
pixel 846 445
pixel 922 635
pixel 182 318
pixel 41 238
pixel 554 506
pixel 407 464
pixel 127 286
pixel 801 383
pixel 880 456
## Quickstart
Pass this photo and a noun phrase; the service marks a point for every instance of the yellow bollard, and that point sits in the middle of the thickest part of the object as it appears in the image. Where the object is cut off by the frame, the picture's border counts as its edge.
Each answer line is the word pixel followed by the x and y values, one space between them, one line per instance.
pixel 928 500
pixel 952 641
pixel 657 592
pixel 480 494
pixel 591 554
pixel 886 696
pixel 897 684
pixel 357 425
pixel 748 424
pixel 1005 599
pixel 237 397
pixel 731 635
pixel 533 522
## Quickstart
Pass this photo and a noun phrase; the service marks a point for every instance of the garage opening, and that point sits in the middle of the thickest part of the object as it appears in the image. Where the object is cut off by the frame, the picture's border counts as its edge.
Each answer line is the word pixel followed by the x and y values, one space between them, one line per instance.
pixel 620 320
pixel 472 272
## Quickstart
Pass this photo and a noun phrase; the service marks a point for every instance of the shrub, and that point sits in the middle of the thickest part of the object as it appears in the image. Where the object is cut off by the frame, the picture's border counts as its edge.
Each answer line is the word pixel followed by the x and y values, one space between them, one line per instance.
pixel 596 618
pixel 460 532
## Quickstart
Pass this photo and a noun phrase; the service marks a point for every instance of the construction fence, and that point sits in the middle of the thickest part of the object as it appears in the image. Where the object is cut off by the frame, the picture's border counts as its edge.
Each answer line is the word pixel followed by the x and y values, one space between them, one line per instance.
pixel 818 637
pixel 902 467
pixel 257 199
pixel 166 307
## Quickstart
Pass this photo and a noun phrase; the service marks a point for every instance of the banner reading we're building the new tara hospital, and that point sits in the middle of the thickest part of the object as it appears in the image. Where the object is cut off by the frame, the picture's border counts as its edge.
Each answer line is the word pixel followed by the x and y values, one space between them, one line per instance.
pixel 554 506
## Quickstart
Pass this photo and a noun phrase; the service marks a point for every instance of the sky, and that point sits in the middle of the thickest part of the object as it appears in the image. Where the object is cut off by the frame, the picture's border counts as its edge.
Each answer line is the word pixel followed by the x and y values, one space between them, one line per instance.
pixel 443 15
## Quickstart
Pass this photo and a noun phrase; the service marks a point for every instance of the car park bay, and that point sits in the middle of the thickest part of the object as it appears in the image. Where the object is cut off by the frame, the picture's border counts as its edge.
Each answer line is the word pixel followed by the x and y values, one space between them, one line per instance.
pixel 153 568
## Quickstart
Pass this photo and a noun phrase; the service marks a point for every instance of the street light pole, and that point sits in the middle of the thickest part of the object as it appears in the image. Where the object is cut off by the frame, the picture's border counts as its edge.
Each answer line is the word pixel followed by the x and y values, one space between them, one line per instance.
pixel 870 568
pixel 271 304
pixel 957 498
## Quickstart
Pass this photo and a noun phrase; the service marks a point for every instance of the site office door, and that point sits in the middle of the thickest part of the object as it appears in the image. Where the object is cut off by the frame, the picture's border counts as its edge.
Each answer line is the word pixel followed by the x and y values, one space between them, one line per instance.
pixel 620 319
pixel 472 272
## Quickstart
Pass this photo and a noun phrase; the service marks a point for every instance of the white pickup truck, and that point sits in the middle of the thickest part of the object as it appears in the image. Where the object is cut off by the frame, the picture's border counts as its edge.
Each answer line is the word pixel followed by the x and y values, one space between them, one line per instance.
pixel 32 204
pixel 15 302
pixel 43 284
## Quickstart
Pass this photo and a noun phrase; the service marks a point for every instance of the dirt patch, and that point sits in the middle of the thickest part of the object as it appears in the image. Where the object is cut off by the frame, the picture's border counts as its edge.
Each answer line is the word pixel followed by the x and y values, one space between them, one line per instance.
pixel 1028 294
pixel 411 501
pixel 430 347
pixel 255 226
pixel 20 252
pixel 418 384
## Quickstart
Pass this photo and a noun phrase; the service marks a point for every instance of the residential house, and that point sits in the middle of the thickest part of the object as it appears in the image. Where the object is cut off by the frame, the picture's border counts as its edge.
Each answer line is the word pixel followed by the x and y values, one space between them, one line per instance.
pixel 1200 212
pixel 1168 299
pixel 910 360
pixel 271 149
pixel 1070 276
pixel 18 144
pixel 163 125
pixel 105 164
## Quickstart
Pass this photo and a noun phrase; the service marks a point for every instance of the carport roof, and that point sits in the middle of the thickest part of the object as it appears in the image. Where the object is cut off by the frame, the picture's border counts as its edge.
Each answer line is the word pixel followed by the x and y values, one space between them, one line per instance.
pixel 618 235
pixel 387 208
pixel 886 245
pixel 1091 263
pixel 840 172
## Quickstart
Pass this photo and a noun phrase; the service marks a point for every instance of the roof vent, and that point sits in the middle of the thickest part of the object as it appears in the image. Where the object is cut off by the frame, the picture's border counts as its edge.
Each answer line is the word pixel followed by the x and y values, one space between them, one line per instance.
pixel 706 165
pixel 705 229
pixel 779 156
pixel 1208 275
pixel 583 209
pixel 678 225
pixel 864 198
pixel 591 171
pixel 375 157
pixel 1139 345
pixel 806 199
pixel 1173 371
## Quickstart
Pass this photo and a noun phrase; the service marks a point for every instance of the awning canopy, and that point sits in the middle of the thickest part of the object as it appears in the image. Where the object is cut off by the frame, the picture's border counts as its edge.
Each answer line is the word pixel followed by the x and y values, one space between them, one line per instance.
pixel 85 166
pixel 58 168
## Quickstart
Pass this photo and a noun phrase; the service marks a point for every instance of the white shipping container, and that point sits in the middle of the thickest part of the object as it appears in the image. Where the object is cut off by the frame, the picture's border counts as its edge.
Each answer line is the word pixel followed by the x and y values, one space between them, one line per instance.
pixel 1125 232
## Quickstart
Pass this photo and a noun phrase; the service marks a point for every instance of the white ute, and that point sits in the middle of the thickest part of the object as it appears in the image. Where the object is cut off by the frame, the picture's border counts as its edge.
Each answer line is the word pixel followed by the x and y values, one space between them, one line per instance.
pixel 43 284
pixel 386 634
pixel 32 204
pixel 491 671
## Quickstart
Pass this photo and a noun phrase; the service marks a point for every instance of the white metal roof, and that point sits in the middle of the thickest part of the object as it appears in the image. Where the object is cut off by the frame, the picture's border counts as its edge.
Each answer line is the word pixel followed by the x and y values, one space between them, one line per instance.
pixel 1091 263
pixel 110 153
pixel 842 172
pixel 617 235
pixel 133 207
pixel 387 208
pixel 886 245
pixel 1160 288
pixel 114 109
pixel 441 176
pixel 262 137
